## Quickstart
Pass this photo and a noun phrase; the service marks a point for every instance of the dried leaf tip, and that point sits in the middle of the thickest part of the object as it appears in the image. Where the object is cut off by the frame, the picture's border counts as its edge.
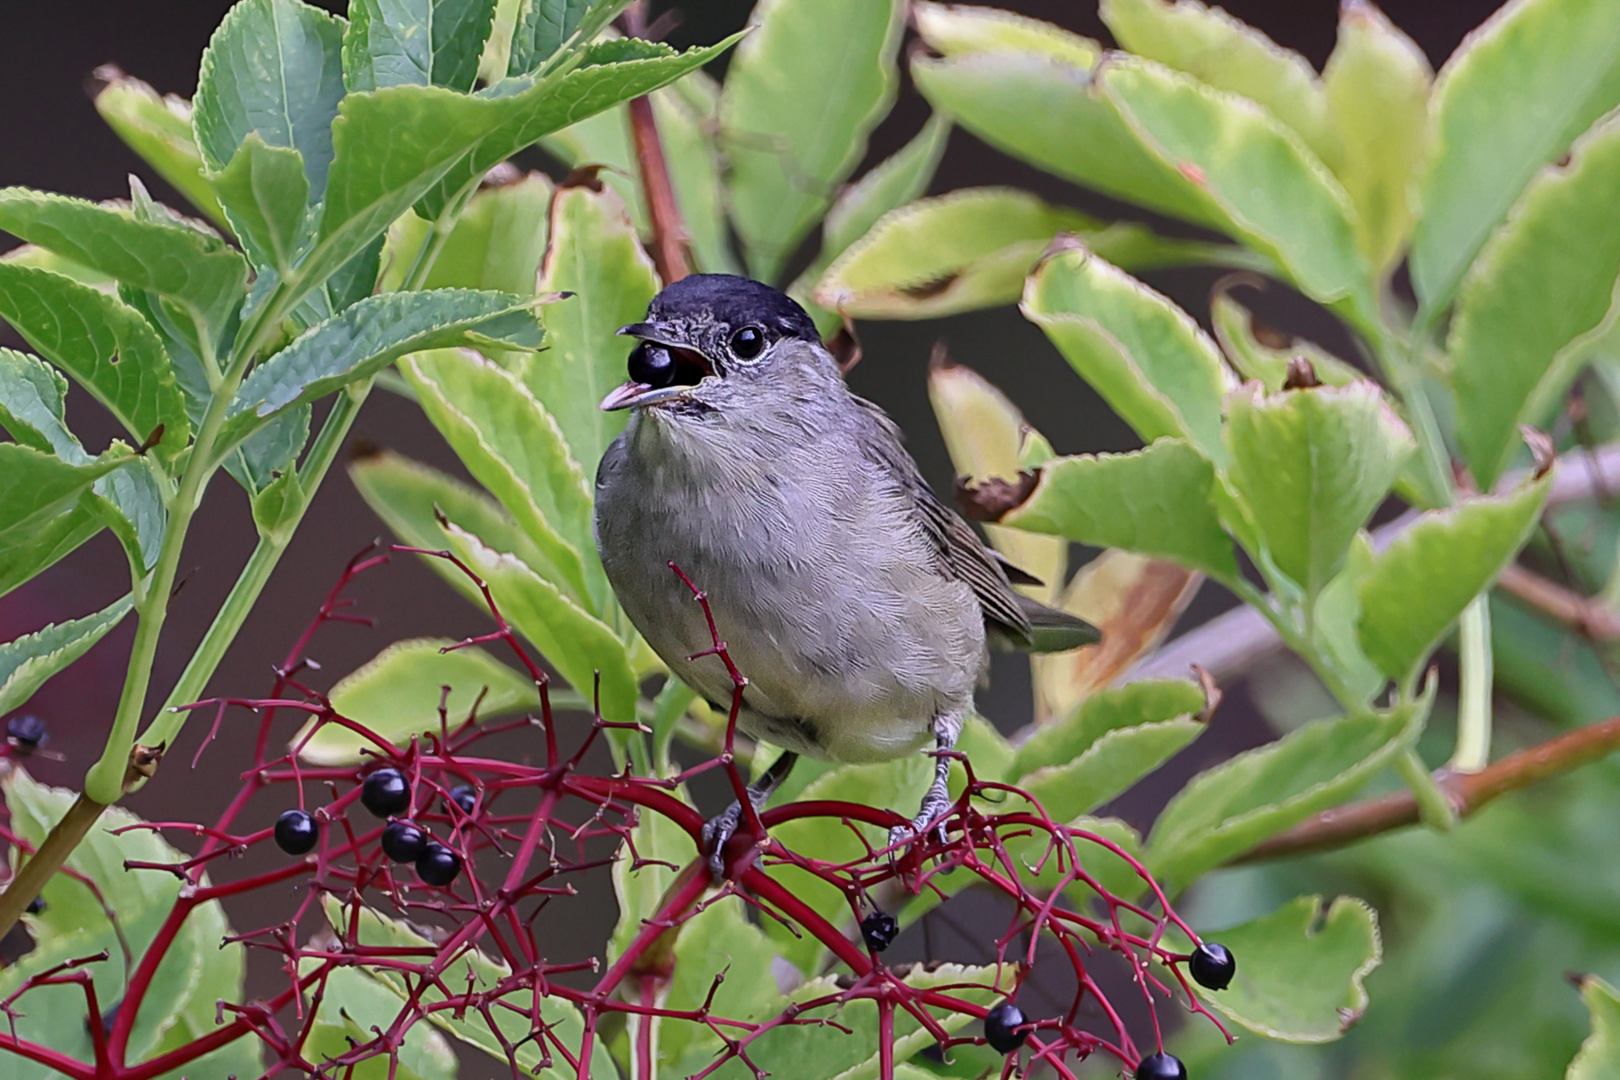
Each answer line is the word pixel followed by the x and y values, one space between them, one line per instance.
pixel 1541 447
pixel 994 498
pixel 1301 374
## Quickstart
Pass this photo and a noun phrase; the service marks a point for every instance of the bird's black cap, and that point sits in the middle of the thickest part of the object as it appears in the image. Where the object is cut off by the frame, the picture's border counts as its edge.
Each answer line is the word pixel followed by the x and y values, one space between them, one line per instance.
pixel 736 302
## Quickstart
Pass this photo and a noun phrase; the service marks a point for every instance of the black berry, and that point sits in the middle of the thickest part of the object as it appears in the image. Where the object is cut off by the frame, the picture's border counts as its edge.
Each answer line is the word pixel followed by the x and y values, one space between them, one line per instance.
pixel 438 865
pixel 404 841
pixel 296 832
pixel 37 906
pixel 1212 966
pixel 385 793
pixel 1002 1028
pixel 879 929
pixel 465 797
pixel 1161 1066
pixel 27 733
pixel 652 364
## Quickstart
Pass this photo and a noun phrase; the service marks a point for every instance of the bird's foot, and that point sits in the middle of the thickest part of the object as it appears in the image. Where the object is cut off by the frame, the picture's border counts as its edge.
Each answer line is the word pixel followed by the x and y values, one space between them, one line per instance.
pixel 717 833
pixel 930 819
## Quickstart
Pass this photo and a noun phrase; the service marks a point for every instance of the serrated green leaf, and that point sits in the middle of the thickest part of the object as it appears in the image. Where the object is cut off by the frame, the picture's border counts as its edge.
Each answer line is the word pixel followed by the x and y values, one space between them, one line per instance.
pixel 1150 701
pixel 33 406
pixel 179 341
pixel 1046 111
pixel 1300 969
pixel 1145 356
pixel 28 661
pixel 35 487
pixel 25 552
pixel 543 27
pixel 264 192
pixel 949 29
pixel 403 144
pixel 269 451
pixel 199 272
pixel 789 150
pixel 1564 55
pixel 513 446
pixel 356 1006
pixel 580 646
pixel 497 242
pixel 1311 466
pixel 1158 501
pixel 1418 586
pixel 1226 54
pixel 158 128
pixel 274 67
pixel 719 939
pixel 1335 619
pixel 986 436
pixel 398 692
pixel 415 42
pixel 103 344
pixel 1226 810
pixel 132 502
pixel 372 334
pixel 278 508
pixel 593 253
pixel 1380 131
pixel 1545 278
pixel 642 875
pixel 1600 1053
pixel 1261 183
pixel 1264 362
pixel 1109 767
pixel 405 494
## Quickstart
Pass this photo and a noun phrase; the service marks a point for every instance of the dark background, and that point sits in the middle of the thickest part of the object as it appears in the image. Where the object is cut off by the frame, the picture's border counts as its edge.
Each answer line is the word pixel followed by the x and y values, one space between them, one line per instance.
pixel 52 138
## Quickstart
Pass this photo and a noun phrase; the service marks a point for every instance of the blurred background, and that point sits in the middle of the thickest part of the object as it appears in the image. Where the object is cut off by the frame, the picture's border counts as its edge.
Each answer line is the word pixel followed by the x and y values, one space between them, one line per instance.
pixel 1480 926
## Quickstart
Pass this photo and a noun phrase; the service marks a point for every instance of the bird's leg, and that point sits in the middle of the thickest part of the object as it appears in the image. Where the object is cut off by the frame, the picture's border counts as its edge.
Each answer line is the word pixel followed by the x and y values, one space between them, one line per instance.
pixel 938 797
pixel 718 830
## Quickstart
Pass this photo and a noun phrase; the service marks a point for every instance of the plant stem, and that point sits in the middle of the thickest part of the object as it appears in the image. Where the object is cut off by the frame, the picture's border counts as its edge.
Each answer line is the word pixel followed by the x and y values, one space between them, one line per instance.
pixel 1473 751
pixel 1468 792
pixel 30 879
pixel 1434 808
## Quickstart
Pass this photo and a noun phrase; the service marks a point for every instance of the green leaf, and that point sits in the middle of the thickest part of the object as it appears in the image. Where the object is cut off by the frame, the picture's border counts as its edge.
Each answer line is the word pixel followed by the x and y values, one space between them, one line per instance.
pixel 1224 811
pixel 1048 112
pixel 1377 86
pixel 158 128
pixel 398 692
pixel 594 253
pixel 103 344
pixel 274 67
pixel 497 242
pixel 196 969
pixel 513 446
pixel 131 501
pixel 374 333
pixel 576 643
pixel 1226 54
pixel 406 495
pixel 986 436
pixel 200 272
pixel 1418 586
pixel 895 181
pixel 402 144
pixel 415 42
pixel 1600 1053
pixel 1545 278
pixel 33 406
pixel 279 507
pixel 28 661
pixel 1158 501
pixel 27 551
pixel 264 191
pixel 1109 767
pixel 1239 333
pixel 789 150
pixel 1335 621
pixel 1145 356
pixel 355 1008
pixel 545 26
pixel 1310 467
pixel 35 487
pixel 642 875
pixel 949 29
pixel 1564 55
pixel 1300 969
pixel 1259 181
pixel 1151 701
pixel 719 939
pixel 270 451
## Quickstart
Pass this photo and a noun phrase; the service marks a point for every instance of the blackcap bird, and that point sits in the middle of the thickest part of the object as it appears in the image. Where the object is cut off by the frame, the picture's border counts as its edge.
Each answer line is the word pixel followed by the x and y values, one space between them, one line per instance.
pixel 856 603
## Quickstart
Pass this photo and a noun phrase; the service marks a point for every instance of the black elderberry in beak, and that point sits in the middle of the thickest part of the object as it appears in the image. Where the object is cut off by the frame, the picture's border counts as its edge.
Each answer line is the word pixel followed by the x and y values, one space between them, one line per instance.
pixel 651 365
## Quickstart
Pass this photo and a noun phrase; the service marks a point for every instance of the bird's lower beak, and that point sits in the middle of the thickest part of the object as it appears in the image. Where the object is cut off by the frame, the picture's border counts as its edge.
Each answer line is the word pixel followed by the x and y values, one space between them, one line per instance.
pixel 632 394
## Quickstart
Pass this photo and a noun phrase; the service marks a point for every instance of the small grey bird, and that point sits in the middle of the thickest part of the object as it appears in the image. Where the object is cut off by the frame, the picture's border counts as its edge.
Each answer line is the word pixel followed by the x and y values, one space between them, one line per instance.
pixel 855 602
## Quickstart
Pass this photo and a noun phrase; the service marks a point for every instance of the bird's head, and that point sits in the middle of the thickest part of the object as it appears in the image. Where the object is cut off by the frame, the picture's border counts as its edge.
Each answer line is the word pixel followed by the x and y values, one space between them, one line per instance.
pixel 712 341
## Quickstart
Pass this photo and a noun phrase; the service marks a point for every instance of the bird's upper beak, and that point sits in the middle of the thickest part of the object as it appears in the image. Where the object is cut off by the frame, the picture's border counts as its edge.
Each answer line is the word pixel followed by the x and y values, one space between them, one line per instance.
pixel 631 393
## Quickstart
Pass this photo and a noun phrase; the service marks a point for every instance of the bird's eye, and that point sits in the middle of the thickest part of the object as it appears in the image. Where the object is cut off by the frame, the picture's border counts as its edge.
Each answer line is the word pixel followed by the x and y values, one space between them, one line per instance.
pixel 652 364
pixel 747 343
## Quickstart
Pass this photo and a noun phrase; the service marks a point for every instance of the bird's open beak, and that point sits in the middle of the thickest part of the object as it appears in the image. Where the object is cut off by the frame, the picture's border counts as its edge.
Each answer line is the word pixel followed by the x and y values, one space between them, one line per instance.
pixel 632 393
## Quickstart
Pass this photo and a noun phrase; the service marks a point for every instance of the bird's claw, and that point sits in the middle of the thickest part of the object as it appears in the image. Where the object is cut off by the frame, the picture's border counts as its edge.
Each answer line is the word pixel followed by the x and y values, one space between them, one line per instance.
pixel 924 823
pixel 717 833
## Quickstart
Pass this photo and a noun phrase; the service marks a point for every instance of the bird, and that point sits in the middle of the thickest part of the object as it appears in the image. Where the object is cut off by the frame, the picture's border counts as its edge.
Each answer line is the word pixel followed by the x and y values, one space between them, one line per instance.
pixel 856 603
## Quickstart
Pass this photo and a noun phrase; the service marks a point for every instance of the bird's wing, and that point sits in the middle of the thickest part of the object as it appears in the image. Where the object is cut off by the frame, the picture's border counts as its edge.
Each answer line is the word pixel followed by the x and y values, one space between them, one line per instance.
pixel 962 555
